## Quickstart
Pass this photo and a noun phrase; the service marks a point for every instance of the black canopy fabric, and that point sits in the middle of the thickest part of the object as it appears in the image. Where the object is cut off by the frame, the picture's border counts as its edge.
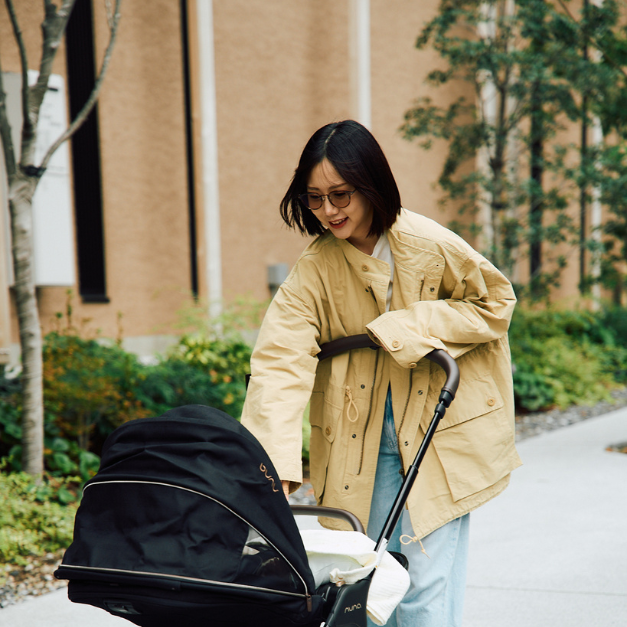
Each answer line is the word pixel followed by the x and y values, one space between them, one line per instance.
pixel 191 496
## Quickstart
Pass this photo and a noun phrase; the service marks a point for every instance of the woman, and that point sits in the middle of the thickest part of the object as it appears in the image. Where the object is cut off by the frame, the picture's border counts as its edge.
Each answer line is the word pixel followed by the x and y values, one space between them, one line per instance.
pixel 414 286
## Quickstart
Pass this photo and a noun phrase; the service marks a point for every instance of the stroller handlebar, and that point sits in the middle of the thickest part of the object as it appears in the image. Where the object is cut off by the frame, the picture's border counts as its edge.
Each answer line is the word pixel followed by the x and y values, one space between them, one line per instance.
pixel 328 512
pixel 440 357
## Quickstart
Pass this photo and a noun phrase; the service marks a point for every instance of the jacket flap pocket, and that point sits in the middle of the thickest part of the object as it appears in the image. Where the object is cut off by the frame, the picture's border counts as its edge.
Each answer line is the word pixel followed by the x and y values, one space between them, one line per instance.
pixel 325 412
pixel 474 398
pixel 324 418
pixel 477 454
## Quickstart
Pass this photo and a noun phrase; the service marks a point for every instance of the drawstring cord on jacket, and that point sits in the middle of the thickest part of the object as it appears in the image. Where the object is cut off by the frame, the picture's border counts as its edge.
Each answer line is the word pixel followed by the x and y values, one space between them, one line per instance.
pixel 405 539
pixel 409 539
pixel 351 404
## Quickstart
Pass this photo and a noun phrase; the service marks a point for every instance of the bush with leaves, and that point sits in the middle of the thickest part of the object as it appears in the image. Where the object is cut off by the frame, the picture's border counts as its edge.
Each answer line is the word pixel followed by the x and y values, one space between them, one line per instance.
pixel 226 360
pixel 88 392
pixel 175 382
pixel 215 346
pixel 567 357
pixel 35 518
pixel 89 387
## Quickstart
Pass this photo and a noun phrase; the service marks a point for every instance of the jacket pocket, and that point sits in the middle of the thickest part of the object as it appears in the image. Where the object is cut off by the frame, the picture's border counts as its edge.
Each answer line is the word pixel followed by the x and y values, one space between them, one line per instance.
pixel 324 417
pixel 477 453
pixel 474 398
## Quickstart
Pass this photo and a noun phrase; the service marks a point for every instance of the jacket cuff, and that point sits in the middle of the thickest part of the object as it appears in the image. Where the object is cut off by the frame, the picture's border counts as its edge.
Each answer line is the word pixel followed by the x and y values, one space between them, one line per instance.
pixel 406 349
pixel 293 475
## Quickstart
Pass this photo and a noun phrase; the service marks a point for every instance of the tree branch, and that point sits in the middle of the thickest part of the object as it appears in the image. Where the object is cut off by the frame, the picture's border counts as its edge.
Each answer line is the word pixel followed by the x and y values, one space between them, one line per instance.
pixel 114 23
pixel 593 41
pixel 19 38
pixel 53 27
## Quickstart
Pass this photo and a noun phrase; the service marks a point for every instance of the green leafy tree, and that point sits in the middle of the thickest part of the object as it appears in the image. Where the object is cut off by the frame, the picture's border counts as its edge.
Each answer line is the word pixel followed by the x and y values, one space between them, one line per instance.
pixel 527 76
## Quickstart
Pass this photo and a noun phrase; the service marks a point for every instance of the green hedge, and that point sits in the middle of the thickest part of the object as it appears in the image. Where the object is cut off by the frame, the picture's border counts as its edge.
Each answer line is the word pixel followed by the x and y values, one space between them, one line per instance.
pixel 567 357
pixel 35 519
pixel 91 387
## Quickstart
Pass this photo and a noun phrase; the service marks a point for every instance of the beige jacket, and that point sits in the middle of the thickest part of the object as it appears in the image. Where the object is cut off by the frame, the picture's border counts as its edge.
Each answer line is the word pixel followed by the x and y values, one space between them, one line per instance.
pixel 445 295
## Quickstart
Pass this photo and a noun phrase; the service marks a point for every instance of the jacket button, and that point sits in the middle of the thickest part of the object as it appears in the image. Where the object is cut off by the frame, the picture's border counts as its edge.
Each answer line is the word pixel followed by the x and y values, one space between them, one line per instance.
pixel 346 487
pixel 364 268
pixel 419 392
pixel 432 289
pixel 354 435
pixel 328 430
pixel 363 387
pixel 406 443
pixel 491 402
pixel 396 343
pixel 413 365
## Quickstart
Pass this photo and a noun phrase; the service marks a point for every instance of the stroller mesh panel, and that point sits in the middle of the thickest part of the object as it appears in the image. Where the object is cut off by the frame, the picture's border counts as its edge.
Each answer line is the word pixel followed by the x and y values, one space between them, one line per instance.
pixel 262 565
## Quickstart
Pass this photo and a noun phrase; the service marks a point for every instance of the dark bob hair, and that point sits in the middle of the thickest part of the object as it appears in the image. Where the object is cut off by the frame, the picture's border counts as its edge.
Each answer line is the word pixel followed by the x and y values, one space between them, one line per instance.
pixel 356 155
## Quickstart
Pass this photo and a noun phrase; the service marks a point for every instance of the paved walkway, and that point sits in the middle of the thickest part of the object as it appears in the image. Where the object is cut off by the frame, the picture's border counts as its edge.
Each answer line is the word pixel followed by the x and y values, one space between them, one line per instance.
pixel 550 551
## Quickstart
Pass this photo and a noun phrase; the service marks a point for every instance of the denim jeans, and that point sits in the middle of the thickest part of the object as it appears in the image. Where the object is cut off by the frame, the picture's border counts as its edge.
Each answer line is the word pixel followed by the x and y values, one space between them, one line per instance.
pixel 438 582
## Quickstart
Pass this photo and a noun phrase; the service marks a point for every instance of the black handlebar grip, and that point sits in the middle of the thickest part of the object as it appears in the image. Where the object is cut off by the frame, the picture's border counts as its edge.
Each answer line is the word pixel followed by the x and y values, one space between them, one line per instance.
pixel 343 344
pixel 450 367
pixel 438 356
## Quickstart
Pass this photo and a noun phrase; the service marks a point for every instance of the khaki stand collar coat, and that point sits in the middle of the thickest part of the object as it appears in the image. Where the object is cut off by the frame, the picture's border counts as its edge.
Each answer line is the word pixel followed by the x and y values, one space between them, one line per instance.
pixel 445 295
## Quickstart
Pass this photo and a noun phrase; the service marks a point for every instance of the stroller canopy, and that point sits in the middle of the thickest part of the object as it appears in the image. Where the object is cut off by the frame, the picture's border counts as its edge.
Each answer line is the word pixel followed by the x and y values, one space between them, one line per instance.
pixel 189 498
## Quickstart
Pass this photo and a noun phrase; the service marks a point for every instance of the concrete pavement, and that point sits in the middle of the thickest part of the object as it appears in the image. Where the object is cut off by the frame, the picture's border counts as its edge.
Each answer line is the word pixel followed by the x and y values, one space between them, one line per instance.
pixel 550 551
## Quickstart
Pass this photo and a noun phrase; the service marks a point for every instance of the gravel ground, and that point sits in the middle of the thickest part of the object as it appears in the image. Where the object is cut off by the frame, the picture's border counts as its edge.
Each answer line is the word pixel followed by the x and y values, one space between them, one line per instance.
pixel 528 425
pixel 35 578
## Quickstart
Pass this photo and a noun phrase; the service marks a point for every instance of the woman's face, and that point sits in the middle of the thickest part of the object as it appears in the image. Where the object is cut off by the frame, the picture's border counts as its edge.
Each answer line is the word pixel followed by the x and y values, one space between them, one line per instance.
pixel 351 223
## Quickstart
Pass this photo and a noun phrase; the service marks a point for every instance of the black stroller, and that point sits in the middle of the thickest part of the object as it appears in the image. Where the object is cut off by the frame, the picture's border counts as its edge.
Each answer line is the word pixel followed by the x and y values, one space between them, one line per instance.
pixel 186 524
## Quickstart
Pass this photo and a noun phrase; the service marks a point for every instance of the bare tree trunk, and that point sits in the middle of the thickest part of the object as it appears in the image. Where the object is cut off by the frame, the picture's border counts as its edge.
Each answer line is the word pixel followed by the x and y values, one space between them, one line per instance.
pixel 23 178
pixel 21 190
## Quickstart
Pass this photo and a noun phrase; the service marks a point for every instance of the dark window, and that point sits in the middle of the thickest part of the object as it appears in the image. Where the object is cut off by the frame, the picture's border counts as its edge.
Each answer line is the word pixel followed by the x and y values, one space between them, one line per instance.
pixel 191 192
pixel 85 146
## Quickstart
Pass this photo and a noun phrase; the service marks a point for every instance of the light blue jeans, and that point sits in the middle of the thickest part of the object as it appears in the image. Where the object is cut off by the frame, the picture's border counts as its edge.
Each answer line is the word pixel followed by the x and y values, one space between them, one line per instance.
pixel 438 582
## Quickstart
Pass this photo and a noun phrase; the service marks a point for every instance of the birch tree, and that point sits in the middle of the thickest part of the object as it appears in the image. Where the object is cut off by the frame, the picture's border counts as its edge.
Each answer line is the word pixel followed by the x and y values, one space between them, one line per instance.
pixel 23 175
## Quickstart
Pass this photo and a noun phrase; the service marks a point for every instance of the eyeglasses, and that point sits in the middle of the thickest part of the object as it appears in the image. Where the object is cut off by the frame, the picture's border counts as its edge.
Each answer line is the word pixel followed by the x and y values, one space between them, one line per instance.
pixel 339 199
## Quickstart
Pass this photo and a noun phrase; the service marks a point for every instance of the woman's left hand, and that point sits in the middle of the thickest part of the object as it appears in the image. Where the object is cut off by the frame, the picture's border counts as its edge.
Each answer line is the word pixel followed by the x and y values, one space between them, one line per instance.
pixel 286 489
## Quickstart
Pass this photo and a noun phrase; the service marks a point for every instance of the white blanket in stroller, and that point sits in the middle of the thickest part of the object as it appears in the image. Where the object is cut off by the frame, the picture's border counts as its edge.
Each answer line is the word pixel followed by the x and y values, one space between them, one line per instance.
pixel 348 556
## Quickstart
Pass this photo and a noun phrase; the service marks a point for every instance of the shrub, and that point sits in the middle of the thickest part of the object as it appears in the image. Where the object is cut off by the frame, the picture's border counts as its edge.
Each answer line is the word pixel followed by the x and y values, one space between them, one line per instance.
pixel 175 382
pixel 224 359
pixel 88 388
pixel 34 519
pixel 567 357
